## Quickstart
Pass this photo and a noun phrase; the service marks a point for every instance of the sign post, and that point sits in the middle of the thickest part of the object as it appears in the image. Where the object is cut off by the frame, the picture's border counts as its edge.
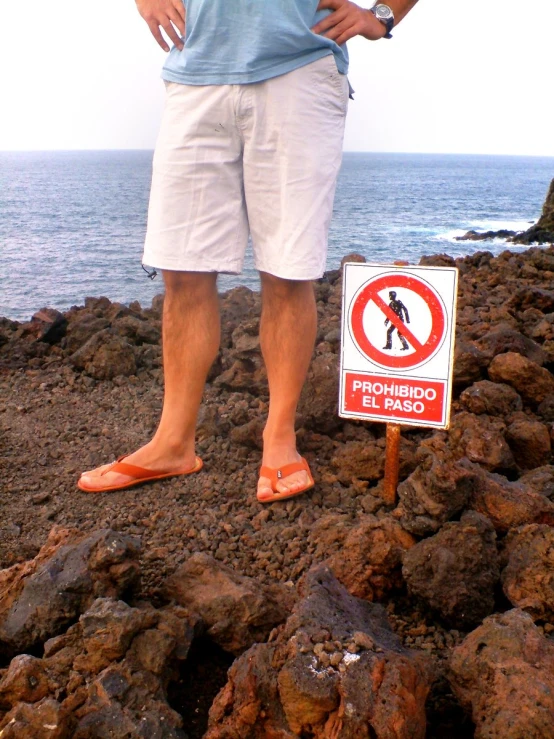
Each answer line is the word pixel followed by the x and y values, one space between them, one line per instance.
pixel 397 350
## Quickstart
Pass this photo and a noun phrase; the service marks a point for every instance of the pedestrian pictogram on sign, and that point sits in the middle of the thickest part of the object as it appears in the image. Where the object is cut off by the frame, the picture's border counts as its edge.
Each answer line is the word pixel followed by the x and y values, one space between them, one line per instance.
pixel 420 341
pixel 397 343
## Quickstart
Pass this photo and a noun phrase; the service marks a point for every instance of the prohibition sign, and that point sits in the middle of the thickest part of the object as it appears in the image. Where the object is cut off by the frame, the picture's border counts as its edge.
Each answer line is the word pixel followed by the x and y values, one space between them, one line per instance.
pixel 423 351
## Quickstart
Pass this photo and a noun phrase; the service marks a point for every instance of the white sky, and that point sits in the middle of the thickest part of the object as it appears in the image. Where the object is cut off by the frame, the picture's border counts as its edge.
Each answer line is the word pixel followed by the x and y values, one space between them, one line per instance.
pixel 468 77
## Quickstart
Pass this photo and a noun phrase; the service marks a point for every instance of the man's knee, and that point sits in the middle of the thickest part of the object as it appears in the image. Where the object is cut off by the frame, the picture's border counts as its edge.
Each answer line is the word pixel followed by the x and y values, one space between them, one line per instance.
pixel 189 285
pixel 280 289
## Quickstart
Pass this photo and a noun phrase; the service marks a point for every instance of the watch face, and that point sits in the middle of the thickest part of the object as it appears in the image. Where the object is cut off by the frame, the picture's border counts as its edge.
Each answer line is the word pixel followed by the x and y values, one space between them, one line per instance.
pixel 383 12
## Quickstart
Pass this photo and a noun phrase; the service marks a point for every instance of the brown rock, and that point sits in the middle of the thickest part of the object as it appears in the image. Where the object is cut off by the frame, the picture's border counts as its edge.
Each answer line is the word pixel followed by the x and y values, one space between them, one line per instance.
pixel 25 680
pixel 282 689
pixel 105 356
pixel 508 340
pixel 38 599
pixel 481 439
pixel 503 672
pixel 528 578
pixel 110 670
pixel 532 382
pixel 49 325
pixel 469 364
pixel 435 492
pixel 82 326
pixel 236 610
pixel 319 399
pixel 455 571
pixel 529 442
pixel 540 480
pixel 492 398
pixel 365 460
pixel 367 556
pixel 44 720
pixel 507 504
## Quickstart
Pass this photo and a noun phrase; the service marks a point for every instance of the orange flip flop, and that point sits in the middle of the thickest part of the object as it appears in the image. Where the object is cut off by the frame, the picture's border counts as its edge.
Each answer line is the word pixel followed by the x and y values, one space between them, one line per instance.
pixel 139 475
pixel 277 475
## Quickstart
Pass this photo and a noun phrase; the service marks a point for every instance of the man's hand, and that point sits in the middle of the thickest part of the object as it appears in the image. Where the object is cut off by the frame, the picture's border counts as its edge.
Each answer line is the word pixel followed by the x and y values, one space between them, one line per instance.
pixel 166 14
pixel 348 20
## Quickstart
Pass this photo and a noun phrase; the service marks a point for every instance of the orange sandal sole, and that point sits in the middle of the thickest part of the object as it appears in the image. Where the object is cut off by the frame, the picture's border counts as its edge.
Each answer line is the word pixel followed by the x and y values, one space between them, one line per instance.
pixel 140 475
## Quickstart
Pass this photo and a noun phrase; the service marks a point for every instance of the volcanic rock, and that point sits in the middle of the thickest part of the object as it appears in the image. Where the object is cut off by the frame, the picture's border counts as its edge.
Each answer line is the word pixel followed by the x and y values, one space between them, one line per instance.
pixel 365 460
pixel 236 610
pixel 469 364
pixel 507 504
pixel 48 325
pixel 455 571
pixel 529 442
pixel 541 232
pixel 105 356
pixel 481 439
pixel 508 340
pixel 435 492
pixel 503 672
pixel 491 398
pixel 319 399
pixel 532 382
pixel 365 556
pixel 110 672
pixel 528 578
pixel 333 670
pixel 540 480
pixel 41 597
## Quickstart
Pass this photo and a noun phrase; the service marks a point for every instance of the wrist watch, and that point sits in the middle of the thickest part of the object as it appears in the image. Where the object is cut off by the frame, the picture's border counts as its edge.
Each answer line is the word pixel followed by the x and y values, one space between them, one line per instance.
pixel 385 15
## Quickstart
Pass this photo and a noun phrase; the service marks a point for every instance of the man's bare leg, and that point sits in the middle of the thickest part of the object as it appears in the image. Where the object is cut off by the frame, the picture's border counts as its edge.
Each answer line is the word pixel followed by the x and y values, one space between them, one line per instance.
pixel 191 335
pixel 287 335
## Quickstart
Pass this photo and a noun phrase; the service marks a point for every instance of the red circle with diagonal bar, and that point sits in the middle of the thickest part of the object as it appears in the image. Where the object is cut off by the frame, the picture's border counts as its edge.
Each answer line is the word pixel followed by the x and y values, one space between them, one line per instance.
pixel 423 351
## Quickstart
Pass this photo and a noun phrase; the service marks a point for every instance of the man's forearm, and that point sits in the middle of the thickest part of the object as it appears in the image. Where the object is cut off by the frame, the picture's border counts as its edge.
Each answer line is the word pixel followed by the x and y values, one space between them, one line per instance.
pixel 400 8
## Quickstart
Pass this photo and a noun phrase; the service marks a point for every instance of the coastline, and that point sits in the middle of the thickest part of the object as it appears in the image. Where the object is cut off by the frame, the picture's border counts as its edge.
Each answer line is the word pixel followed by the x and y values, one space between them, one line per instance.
pixel 82 386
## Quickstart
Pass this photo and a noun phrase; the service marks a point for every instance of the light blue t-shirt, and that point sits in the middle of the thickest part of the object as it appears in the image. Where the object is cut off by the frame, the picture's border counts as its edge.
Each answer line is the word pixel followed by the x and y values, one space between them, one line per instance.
pixel 231 42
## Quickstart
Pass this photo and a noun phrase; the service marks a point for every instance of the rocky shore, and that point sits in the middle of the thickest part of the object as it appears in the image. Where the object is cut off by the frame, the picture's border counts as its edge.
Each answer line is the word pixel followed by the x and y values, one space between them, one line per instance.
pixel 337 617
pixel 541 232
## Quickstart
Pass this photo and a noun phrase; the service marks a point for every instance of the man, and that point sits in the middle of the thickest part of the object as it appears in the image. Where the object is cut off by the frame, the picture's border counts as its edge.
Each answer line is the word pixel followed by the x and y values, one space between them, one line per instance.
pixel 250 142
pixel 398 307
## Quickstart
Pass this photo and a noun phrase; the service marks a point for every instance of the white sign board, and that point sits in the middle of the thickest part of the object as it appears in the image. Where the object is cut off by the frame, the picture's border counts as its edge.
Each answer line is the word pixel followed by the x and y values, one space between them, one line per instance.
pixel 398 326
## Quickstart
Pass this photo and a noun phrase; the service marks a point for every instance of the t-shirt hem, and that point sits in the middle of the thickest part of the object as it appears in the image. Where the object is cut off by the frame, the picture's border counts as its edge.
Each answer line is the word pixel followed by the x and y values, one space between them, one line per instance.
pixel 259 75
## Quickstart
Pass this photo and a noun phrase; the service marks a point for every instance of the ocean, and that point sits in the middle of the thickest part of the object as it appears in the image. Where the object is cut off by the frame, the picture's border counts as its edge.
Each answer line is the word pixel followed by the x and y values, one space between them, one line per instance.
pixel 72 224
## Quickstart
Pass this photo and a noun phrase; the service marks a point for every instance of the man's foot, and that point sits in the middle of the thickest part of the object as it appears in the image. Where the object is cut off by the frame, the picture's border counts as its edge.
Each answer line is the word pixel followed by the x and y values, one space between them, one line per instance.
pixel 152 456
pixel 278 457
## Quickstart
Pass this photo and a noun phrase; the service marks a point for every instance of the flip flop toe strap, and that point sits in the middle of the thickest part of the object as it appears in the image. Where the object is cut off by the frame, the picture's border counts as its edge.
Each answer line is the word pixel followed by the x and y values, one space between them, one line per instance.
pixel 131 470
pixel 277 475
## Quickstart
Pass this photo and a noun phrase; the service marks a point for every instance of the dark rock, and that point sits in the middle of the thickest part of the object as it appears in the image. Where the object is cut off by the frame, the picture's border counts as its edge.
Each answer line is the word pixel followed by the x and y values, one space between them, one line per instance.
pixel 528 579
pixel 546 409
pixel 503 672
pixel 437 260
pixel 531 296
pixel 541 232
pixel 469 364
pixel 110 671
pixel 507 504
pixel 491 398
pixel 365 460
pixel 236 610
pixel 455 571
pixel 481 439
pixel 44 720
pixel 532 382
pixel 508 340
pixel 319 399
pixel 540 480
pixel 39 598
pixel 49 325
pixel 366 555
pixel 529 442
pixel 105 356
pixel 435 492
pixel 137 331
pixel 81 328
pixel 293 686
pixel 472 235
